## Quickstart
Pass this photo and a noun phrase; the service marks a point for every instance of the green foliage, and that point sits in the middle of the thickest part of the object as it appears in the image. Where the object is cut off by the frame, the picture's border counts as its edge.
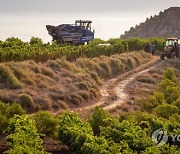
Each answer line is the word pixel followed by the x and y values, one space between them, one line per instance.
pixel 36 41
pixel 165 110
pixel 153 101
pixel 14 109
pixel 17 50
pixel 98 118
pixel 115 136
pixel 169 74
pixel 7 111
pixel 72 131
pixel 45 123
pixel 165 101
pixel 23 136
pixel 3 123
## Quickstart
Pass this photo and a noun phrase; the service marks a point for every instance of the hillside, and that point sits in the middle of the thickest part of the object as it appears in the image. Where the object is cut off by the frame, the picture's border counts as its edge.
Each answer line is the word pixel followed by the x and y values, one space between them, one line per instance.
pixel 58 84
pixel 166 24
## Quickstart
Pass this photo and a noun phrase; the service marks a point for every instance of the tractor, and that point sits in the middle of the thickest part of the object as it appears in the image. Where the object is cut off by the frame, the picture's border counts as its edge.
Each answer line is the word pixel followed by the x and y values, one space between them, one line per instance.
pixel 171 49
pixel 77 34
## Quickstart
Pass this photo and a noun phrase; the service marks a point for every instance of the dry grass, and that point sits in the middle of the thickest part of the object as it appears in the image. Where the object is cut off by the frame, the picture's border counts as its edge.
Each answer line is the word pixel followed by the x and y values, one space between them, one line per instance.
pixel 27 102
pixel 60 84
pixel 8 79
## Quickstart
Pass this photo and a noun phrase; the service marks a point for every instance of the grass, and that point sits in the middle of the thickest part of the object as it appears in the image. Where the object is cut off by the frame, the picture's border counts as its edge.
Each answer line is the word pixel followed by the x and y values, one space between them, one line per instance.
pixel 60 84
pixel 8 79
pixel 27 102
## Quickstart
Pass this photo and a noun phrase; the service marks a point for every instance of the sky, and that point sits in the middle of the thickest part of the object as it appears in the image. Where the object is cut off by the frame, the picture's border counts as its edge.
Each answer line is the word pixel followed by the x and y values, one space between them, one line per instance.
pixel 27 18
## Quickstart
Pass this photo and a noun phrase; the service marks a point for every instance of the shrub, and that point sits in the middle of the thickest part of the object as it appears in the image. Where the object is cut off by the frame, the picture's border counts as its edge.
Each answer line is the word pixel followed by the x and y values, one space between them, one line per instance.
pixel 153 101
pixel 164 84
pixel 165 110
pixel 130 63
pixel 84 95
pixel 3 107
pixel 169 74
pixel 14 109
pixel 3 123
pixel 63 105
pixel 94 76
pixel 106 68
pixel 72 131
pixel 7 78
pixel 83 86
pixel 19 73
pixel 116 66
pixel 175 118
pixel 45 123
pixel 27 102
pixel 23 136
pixel 54 65
pixel 98 118
pixel 171 94
pixel 47 72
pixel 177 103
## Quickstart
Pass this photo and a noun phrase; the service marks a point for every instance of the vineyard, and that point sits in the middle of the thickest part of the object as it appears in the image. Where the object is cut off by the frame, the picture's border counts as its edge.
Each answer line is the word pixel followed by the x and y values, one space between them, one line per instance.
pixel 41 83
pixel 101 133
pixel 13 49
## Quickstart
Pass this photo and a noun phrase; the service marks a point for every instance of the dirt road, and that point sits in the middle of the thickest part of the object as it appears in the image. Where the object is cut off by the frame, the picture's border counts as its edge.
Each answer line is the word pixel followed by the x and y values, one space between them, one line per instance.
pixel 114 93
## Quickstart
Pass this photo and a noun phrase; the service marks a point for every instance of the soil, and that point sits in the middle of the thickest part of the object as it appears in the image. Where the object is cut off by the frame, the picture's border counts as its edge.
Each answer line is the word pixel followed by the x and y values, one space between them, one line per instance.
pixel 115 91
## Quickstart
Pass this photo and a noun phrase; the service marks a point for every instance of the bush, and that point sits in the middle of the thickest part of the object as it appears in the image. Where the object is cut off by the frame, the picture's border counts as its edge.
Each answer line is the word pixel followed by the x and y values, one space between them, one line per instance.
pixel 83 86
pixel 8 111
pixel 72 131
pixel 177 103
pixel 98 118
pixel 23 136
pixel 169 74
pixel 107 69
pixel 27 102
pixel 3 123
pixel 165 110
pixel 152 102
pixel 7 78
pixel 164 84
pixel 45 123
pixel 14 109
pixel 47 72
pixel 171 94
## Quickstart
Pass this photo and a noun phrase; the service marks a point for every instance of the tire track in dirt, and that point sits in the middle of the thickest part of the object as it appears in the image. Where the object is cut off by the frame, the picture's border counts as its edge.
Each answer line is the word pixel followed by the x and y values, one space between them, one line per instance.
pixel 114 93
pixel 120 88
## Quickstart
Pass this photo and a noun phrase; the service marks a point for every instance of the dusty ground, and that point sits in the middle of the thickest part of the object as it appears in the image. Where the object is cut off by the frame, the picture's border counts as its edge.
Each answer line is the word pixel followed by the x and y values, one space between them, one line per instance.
pixel 125 92
pixel 114 93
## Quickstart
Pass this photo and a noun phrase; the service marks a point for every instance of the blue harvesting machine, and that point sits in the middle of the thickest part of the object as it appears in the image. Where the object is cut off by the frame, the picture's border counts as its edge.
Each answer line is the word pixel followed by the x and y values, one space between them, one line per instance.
pixel 77 34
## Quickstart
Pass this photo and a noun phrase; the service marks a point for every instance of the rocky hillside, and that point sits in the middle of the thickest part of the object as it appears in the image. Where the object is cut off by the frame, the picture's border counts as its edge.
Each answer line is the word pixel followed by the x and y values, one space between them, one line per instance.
pixel 166 24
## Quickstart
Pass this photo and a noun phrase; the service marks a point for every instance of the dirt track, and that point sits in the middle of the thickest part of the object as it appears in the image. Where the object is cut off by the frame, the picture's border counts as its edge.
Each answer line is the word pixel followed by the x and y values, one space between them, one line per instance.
pixel 114 92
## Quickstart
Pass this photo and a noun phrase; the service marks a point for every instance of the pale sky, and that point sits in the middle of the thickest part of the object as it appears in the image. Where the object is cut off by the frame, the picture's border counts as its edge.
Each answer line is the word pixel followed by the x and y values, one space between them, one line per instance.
pixel 27 18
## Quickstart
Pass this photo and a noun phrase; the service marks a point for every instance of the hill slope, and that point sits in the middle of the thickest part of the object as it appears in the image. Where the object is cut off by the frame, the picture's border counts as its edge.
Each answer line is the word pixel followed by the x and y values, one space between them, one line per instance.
pixel 166 24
